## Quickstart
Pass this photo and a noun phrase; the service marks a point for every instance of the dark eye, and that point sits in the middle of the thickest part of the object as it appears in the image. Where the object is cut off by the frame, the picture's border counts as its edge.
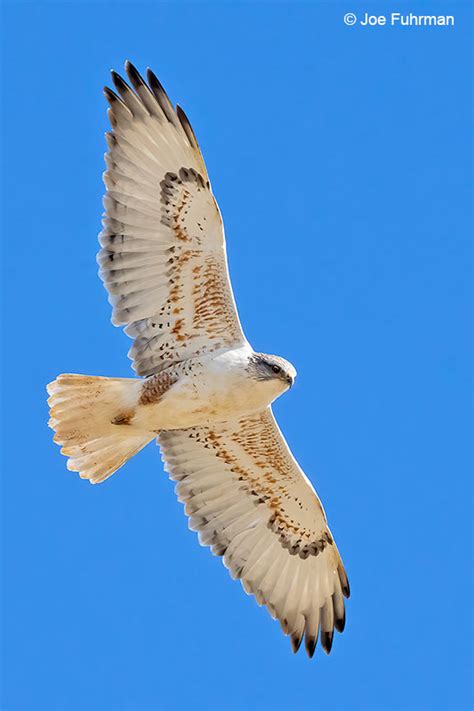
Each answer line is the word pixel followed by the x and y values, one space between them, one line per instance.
pixel 276 368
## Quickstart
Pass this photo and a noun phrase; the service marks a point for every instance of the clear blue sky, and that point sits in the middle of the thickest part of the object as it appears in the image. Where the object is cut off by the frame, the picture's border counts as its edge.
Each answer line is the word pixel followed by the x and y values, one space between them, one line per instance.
pixel 340 159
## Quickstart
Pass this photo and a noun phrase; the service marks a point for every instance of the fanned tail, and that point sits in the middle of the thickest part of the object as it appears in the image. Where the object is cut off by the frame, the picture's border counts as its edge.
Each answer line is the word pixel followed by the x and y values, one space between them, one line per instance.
pixel 90 417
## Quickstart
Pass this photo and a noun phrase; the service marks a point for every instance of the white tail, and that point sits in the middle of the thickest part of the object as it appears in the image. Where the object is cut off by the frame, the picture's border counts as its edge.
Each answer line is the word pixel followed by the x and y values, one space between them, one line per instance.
pixel 90 418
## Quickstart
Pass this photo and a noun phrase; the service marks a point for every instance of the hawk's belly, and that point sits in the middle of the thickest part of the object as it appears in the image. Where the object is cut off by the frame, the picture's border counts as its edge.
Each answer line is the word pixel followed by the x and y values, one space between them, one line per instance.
pixel 203 399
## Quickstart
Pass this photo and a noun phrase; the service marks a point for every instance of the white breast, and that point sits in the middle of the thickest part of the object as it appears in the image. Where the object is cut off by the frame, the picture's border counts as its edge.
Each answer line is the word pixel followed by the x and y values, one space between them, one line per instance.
pixel 212 390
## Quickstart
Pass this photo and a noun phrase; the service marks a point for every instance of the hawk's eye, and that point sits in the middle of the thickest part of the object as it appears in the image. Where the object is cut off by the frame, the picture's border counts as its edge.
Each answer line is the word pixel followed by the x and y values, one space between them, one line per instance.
pixel 276 368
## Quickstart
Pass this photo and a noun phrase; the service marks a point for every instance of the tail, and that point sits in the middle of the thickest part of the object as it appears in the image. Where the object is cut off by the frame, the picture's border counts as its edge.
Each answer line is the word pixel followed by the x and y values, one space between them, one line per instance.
pixel 91 416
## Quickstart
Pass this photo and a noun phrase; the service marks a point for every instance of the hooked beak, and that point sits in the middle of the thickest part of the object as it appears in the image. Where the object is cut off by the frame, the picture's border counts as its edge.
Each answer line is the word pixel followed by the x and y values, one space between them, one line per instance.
pixel 290 380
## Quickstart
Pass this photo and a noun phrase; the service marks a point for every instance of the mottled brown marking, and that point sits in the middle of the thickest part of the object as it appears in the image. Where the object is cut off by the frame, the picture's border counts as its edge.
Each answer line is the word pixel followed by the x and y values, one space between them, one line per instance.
pixel 177 329
pixel 213 310
pixel 177 199
pixel 199 303
pixel 256 436
pixel 155 387
pixel 124 418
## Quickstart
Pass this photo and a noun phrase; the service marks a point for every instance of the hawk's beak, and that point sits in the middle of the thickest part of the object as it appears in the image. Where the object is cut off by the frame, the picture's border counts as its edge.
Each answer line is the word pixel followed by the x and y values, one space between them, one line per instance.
pixel 290 380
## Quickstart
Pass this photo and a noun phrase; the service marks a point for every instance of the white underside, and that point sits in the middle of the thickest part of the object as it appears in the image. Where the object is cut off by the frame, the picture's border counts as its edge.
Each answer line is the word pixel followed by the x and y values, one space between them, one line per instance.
pixel 214 390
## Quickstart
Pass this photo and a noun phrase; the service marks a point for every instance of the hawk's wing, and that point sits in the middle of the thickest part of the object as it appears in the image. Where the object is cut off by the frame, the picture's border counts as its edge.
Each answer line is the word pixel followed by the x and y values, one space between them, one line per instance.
pixel 251 502
pixel 163 258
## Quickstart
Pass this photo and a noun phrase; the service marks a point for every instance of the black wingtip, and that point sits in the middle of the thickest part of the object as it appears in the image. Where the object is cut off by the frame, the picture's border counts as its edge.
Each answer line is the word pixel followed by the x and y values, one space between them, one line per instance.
pixel 110 95
pixel 133 73
pixel 345 587
pixel 310 644
pixel 119 83
pixel 182 117
pixel 340 622
pixel 326 641
pixel 160 95
pixel 296 642
pixel 153 81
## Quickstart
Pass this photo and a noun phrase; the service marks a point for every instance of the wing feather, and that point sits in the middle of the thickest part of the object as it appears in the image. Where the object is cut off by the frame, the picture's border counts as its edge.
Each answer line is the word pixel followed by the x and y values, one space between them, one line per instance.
pixel 249 500
pixel 163 258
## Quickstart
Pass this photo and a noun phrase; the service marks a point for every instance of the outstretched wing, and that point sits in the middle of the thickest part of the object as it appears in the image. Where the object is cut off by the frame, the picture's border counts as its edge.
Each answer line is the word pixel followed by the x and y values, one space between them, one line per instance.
pixel 251 502
pixel 163 258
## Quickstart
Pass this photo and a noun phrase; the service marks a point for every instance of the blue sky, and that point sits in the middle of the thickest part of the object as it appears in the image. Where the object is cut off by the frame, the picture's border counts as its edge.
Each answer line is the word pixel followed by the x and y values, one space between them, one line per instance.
pixel 340 159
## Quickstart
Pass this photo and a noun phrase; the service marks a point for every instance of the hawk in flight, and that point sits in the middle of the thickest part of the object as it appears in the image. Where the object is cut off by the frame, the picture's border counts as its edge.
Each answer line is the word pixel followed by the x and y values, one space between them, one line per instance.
pixel 203 394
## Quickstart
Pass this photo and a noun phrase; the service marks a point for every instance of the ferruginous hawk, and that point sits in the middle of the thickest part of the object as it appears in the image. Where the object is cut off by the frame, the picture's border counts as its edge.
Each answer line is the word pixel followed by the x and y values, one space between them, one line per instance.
pixel 204 394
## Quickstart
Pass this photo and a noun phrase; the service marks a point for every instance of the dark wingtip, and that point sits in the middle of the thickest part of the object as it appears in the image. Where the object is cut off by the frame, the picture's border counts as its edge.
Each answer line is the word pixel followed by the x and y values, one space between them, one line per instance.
pixel 326 641
pixel 345 587
pixel 340 622
pixel 186 124
pixel 119 83
pixel 160 95
pixel 284 626
pixel 296 642
pixel 116 76
pixel 110 95
pixel 310 643
pixel 153 80
pixel 133 73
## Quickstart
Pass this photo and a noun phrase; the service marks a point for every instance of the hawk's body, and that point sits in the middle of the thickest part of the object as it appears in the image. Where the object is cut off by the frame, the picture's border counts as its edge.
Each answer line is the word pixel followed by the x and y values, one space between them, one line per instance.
pixel 207 394
pixel 203 391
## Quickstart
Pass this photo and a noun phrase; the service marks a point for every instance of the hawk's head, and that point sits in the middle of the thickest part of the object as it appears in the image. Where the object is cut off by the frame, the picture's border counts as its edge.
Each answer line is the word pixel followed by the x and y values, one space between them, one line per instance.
pixel 271 367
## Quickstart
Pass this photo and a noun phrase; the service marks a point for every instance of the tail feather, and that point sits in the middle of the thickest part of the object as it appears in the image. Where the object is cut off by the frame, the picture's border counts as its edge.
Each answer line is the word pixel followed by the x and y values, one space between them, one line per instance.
pixel 85 412
pixel 100 458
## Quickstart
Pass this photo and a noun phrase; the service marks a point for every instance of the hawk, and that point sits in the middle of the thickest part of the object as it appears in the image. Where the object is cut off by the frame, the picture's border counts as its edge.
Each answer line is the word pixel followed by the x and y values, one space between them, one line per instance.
pixel 203 393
